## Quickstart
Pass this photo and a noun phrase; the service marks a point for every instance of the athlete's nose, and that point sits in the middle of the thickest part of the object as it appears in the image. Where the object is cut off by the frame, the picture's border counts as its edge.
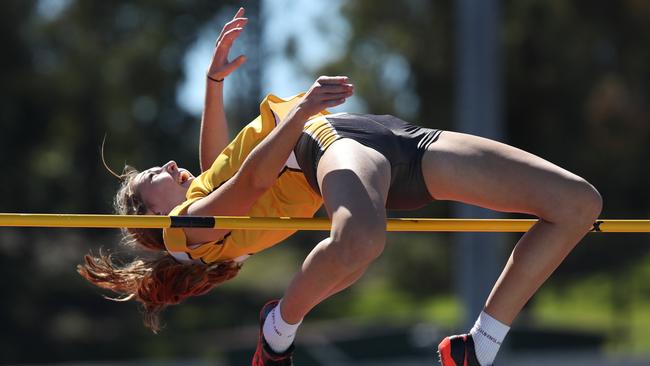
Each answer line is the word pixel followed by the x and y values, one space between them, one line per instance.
pixel 170 167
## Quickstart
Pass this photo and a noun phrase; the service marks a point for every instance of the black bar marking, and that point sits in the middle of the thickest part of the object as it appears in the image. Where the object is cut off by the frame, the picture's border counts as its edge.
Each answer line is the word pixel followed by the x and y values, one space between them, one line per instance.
pixel 596 226
pixel 192 221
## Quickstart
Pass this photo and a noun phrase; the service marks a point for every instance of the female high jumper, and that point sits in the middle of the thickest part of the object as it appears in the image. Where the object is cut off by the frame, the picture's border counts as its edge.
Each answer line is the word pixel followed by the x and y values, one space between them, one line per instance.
pixel 295 157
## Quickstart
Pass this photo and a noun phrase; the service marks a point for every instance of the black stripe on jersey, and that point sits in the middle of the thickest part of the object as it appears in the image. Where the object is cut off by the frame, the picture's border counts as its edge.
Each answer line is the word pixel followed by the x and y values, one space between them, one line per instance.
pixel 287 169
pixel 192 221
pixel 220 242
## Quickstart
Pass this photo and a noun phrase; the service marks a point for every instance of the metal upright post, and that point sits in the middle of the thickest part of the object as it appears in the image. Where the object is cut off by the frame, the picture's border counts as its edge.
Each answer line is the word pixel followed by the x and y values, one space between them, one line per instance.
pixel 478 111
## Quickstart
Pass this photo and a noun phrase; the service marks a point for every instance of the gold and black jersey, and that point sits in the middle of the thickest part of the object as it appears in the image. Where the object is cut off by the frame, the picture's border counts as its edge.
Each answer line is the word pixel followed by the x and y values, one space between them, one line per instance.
pixel 290 196
pixel 296 192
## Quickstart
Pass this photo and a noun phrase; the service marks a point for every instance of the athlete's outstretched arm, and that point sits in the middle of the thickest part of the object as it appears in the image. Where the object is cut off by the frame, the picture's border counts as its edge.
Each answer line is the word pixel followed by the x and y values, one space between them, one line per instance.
pixel 260 169
pixel 214 126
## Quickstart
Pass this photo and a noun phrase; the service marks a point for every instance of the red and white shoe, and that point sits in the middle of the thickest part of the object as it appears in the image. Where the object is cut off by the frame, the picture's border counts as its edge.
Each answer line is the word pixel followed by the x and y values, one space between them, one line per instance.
pixel 264 355
pixel 458 350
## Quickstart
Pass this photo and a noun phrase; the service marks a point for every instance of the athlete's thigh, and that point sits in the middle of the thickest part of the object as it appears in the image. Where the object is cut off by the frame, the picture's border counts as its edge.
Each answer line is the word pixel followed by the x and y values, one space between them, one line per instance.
pixel 494 175
pixel 354 181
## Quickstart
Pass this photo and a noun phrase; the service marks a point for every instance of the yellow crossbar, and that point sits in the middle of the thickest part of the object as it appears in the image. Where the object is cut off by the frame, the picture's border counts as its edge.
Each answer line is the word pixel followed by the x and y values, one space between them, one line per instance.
pixel 292 223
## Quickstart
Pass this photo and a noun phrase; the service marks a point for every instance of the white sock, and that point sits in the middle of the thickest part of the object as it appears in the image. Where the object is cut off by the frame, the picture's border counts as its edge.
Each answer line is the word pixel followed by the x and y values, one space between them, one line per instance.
pixel 488 333
pixel 278 333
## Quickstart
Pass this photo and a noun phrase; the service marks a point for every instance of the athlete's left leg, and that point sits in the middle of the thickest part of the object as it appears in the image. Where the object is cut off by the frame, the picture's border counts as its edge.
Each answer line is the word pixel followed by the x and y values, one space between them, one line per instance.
pixel 489 174
pixel 493 175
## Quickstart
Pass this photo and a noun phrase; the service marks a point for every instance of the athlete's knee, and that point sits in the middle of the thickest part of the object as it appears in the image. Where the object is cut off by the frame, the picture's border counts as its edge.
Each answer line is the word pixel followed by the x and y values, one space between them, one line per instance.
pixel 359 241
pixel 592 202
pixel 580 206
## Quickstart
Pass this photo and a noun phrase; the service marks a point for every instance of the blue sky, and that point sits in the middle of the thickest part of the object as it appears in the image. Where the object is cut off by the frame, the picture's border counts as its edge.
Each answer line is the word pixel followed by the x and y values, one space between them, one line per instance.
pixel 320 30
pixel 317 25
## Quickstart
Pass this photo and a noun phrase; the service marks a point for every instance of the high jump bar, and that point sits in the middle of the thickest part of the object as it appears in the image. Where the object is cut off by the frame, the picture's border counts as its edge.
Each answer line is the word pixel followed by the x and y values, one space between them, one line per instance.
pixel 292 223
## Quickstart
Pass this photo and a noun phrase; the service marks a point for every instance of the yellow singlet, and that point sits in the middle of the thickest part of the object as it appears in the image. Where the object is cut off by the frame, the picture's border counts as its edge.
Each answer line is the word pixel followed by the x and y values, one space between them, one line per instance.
pixel 291 195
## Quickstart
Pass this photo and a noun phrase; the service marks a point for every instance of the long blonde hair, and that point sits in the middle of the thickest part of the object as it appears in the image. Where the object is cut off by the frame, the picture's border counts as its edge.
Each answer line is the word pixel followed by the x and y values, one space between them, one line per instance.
pixel 157 282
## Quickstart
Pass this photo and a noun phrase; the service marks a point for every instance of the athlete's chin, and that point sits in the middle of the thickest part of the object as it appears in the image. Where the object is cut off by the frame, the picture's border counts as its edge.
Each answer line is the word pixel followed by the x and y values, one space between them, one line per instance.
pixel 187 183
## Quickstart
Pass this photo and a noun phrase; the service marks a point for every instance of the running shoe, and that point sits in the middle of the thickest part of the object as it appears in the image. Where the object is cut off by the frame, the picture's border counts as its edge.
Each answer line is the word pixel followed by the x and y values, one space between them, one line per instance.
pixel 457 350
pixel 264 355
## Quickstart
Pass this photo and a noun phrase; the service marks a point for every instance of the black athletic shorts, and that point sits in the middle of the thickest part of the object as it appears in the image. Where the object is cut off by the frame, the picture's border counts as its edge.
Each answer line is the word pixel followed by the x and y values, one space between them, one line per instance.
pixel 402 143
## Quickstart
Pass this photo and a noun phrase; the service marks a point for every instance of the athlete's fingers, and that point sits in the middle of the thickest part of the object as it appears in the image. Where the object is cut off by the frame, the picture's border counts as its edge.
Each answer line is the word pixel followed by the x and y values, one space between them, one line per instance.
pixel 326 92
pixel 240 13
pixel 333 80
pixel 331 91
pixel 333 96
pixel 235 23
pixel 335 88
pixel 230 36
pixel 223 47
pixel 228 39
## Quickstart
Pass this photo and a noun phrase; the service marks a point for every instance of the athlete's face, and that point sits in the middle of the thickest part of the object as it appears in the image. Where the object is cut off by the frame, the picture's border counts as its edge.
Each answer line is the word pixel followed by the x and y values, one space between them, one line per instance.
pixel 163 188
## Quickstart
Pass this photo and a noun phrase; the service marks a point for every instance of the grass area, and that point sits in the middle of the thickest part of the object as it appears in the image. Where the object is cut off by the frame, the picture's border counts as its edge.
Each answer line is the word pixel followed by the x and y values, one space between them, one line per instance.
pixel 585 305
pixel 378 299
pixel 617 306
pixel 637 340
pixel 443 310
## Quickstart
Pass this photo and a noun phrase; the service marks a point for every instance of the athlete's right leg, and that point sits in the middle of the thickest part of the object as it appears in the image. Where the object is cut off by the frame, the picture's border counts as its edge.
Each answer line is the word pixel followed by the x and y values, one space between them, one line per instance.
pixel 354 183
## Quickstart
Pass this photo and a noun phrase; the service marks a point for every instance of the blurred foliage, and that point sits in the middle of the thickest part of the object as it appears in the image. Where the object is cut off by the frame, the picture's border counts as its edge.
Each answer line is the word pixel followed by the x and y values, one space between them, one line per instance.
pixel 576 92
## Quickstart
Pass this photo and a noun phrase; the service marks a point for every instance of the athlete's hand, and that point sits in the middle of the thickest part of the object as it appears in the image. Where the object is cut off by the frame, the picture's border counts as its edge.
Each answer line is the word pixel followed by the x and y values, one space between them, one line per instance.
pixel 220 67
pixel 326 92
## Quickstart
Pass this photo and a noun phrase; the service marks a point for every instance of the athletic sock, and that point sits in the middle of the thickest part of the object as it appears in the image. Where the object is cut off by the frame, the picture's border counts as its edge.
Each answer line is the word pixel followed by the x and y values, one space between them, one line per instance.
pixel 278 333
pixel 487 333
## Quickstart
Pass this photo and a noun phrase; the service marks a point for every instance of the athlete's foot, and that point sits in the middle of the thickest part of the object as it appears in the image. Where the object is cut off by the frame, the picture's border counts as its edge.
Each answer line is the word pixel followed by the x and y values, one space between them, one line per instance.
pixel 264 355
pixel 457 350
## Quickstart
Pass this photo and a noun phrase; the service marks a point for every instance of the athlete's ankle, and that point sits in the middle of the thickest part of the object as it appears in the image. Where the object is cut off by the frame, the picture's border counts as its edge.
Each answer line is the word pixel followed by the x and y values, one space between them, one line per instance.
pixel 278 333
pixel 487 334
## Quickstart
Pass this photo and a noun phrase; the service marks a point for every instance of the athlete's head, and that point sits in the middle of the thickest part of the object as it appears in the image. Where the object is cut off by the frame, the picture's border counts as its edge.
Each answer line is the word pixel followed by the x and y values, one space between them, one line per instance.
pixel 154 191
pixel 160 189
pixel 129 201
pixel 158 280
